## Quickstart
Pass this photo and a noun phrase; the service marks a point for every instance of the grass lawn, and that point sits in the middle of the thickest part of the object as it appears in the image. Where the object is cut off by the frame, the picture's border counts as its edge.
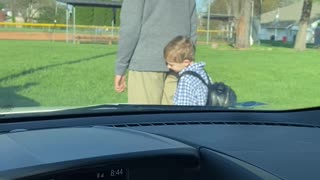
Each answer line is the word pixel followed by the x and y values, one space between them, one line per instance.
pixel 60 74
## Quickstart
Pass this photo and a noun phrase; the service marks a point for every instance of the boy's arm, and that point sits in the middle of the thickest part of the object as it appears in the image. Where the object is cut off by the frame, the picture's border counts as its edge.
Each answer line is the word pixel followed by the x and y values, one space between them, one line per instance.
pixel 131 20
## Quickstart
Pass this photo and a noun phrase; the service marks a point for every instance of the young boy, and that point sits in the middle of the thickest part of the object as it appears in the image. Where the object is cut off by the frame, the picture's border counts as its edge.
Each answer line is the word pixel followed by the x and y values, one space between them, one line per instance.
pixel 179 55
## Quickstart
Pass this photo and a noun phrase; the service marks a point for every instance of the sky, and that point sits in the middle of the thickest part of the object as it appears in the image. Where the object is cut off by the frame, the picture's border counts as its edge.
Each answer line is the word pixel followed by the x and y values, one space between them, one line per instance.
pixel 202 5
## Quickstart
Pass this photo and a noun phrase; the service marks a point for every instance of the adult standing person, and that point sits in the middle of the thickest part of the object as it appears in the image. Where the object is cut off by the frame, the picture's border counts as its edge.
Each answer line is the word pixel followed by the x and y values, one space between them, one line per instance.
pixel 146 26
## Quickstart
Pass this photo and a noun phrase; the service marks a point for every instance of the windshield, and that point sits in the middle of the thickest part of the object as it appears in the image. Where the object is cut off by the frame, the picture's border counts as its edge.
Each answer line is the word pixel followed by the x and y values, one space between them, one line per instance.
pixel 235 54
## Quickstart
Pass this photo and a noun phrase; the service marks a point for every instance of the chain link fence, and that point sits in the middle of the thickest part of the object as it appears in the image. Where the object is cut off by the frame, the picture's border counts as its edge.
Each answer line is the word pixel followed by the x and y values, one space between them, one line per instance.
pixel 95 34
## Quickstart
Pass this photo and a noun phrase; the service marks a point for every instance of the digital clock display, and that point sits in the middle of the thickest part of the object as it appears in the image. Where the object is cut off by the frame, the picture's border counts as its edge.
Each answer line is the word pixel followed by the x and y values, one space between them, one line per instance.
pixel 113 174
pixel 101 173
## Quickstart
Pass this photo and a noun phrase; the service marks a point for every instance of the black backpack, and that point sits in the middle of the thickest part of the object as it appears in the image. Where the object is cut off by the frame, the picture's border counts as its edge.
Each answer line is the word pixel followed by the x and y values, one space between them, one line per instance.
pixel 219 94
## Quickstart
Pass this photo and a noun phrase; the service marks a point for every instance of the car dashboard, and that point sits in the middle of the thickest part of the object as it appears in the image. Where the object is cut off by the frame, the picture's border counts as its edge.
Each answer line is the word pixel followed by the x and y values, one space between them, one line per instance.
pixel 227 145
pixel 93 153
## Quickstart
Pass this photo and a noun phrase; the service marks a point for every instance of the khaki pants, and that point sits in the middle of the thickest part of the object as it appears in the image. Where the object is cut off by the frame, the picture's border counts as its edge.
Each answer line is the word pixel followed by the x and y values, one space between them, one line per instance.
pixel 151 88
pixel 170 86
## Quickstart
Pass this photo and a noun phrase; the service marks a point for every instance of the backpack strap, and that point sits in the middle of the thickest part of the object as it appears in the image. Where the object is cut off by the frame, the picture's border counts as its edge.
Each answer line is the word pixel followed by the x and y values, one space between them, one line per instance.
pixel 192 73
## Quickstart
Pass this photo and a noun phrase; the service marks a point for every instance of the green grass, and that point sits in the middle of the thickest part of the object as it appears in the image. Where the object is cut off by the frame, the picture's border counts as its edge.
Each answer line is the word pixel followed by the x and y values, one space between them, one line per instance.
pixel 280 77
pixel 57 74
pixel 60 74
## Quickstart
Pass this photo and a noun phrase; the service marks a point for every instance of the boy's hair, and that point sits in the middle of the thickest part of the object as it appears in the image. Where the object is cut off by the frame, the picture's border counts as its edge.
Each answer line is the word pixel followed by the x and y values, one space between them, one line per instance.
pixel 179 49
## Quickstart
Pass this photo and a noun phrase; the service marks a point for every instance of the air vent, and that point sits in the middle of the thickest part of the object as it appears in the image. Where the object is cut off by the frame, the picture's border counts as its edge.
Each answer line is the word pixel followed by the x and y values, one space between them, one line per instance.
pixel 210 123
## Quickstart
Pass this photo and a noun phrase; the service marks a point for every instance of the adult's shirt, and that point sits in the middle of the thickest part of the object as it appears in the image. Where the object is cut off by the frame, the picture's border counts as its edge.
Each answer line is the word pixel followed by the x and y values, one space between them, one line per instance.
pixel 146 26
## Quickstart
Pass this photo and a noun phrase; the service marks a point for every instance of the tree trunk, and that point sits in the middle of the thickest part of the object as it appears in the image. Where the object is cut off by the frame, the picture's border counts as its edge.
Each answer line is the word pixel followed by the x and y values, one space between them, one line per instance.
pixel 243 26
pixel 300 43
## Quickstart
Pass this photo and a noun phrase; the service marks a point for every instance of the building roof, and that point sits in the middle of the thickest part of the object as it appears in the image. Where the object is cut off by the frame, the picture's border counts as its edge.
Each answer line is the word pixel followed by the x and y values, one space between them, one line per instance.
pixel 279 24
pixel 93 3
pixel 289 15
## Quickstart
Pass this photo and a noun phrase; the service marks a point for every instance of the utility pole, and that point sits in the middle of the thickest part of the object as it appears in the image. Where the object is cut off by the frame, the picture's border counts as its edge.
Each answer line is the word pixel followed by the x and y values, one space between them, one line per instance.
pixel 55 12
pixel 208 21
pixel 251 22
pixel 67 23
pixel 13 10
pixel 276 24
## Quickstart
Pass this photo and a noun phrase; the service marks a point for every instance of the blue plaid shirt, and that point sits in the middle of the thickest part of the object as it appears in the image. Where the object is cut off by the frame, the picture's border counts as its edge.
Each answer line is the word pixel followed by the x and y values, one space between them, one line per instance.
pixel 190 90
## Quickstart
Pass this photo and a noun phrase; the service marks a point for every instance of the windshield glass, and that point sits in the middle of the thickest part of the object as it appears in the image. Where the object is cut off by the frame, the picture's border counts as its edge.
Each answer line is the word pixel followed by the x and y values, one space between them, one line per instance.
pixel 235 54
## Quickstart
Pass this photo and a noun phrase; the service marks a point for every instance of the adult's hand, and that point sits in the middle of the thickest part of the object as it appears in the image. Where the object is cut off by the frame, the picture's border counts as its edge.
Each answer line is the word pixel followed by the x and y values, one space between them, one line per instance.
pixel 120 83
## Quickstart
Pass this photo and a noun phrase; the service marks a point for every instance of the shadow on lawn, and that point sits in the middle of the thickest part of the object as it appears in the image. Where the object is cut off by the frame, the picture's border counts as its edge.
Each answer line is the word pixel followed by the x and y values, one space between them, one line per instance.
pixel 250 104
pixel 10 99
pixel 30 71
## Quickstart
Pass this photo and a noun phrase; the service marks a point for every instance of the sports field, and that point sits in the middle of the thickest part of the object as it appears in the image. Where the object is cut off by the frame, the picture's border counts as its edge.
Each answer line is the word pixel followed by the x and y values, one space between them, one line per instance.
pixel 38 73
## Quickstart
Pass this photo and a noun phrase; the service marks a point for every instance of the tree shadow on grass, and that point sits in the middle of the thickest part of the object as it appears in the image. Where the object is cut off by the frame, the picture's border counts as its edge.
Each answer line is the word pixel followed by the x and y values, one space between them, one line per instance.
pixel 34 70
pixel 9 97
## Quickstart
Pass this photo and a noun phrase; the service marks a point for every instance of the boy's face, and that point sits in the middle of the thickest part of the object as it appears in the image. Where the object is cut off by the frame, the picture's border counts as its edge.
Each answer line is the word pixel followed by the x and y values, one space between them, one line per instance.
pixel 177 67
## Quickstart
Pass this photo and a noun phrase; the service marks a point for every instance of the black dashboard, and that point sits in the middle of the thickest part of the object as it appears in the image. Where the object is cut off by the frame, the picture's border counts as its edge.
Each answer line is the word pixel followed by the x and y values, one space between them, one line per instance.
pixel 211 145
pixel 93 153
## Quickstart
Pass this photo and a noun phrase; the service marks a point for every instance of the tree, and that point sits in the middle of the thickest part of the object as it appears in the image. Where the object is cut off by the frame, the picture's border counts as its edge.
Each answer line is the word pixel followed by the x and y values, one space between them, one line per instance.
pixel 99 16
pixel 84 15
pixel 48 14
pixel 96 16
pixel 300 43
pixel 241 11
pixel 29 9
pixel 245 22
pixel 2 6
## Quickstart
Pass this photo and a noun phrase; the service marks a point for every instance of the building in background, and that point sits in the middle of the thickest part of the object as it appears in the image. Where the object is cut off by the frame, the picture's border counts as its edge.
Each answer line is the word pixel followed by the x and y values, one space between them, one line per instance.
pixel 282 24
pixel 2 15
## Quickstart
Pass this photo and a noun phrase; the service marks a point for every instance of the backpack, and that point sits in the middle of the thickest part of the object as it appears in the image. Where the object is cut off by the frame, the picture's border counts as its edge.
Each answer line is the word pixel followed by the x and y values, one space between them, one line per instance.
pixel 219 94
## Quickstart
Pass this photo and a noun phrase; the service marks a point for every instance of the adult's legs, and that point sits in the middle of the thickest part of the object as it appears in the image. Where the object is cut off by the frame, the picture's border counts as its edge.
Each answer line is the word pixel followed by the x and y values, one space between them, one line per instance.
pixel 145 87
pixel 170 86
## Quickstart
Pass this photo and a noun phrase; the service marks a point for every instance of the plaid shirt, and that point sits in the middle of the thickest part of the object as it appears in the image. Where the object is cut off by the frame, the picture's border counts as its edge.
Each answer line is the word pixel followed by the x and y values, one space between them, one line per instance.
pixel 190 90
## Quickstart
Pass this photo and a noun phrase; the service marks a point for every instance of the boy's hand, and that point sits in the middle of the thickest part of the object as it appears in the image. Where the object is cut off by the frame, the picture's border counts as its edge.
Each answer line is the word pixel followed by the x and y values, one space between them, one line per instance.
pixel 120 83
